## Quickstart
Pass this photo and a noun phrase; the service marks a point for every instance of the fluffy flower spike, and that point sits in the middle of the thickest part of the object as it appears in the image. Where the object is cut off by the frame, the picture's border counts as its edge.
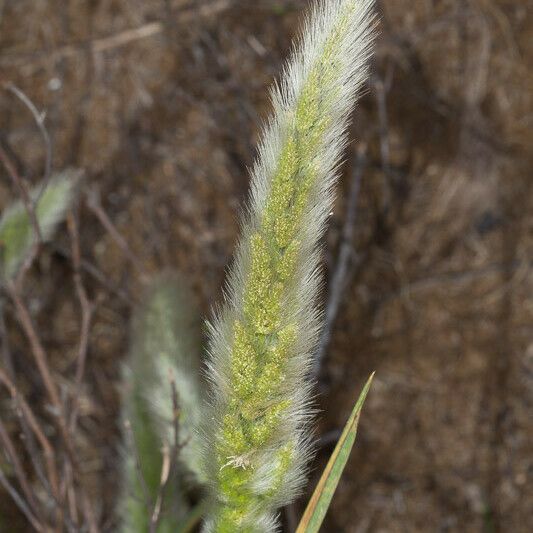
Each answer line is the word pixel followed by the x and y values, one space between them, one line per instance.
pixel 262 341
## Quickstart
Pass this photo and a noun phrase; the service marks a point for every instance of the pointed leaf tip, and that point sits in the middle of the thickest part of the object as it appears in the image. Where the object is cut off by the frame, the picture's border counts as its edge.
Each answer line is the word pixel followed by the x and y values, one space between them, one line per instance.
pixel 320 500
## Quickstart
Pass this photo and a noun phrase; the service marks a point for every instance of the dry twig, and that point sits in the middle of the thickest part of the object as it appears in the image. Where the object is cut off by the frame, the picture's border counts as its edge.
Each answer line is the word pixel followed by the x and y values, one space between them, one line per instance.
pixel 94 272
pixel 345 258
pixel 94 204
pixel 19 501
pixel 10 451
pixel 87 311
pixel 75 482
pixel 32 422
pixel 169 458
pixel 189 12
pixel 39 120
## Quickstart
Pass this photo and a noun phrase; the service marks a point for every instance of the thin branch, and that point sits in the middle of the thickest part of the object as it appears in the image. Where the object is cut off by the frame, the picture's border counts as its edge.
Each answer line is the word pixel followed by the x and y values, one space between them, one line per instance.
pixel 71 493
pixel 175 410
pixel 120 39
pixel 35 457
pixel 29 203
pixel 344 259
pixel 41 360
pixel 11 454
pixel 384 144
pixel 39 118
pixel 448 279
pixel 381 89
pixel 38 352
pixel 27 419
pixel 94 204
pixel 87 311
pixel 169 457
pixel 95 273
pixel 6 351
pixel 36 428
pixel 19 502
pixel 165 471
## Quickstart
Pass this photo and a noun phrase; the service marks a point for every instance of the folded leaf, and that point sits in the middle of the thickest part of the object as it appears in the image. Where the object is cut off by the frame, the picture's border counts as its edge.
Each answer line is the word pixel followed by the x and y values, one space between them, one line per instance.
pixel 321 499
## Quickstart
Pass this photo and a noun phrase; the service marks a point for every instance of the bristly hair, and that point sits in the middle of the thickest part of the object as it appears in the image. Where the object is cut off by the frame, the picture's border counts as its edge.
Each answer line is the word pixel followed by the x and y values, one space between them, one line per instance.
pixel 262 340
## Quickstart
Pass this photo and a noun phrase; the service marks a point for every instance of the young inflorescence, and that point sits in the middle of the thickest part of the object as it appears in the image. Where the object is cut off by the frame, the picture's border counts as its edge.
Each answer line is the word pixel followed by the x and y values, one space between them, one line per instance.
pixel 162 407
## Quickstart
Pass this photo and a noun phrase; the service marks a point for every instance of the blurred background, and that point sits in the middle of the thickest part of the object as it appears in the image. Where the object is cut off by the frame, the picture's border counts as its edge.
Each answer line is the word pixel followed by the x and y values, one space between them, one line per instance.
pixel 428 255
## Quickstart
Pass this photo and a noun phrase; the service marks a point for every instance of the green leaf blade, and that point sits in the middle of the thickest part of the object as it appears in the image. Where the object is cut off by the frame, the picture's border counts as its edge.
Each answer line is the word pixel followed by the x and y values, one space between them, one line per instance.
pixel 320 501
pixel 17 234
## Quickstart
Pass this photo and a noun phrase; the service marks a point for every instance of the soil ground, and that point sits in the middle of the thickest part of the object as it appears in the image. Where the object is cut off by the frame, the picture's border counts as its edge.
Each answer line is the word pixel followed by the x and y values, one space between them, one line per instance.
pixel 161 102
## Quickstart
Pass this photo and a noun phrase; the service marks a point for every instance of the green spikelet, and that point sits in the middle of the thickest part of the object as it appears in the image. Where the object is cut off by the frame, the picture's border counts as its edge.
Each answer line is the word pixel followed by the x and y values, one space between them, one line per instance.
pixel 261 343
pixel 16 231
pixel 166 342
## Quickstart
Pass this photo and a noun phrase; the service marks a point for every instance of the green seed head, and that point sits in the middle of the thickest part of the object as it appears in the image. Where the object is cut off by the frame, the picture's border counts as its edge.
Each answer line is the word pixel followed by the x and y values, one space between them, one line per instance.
pixel 262 342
